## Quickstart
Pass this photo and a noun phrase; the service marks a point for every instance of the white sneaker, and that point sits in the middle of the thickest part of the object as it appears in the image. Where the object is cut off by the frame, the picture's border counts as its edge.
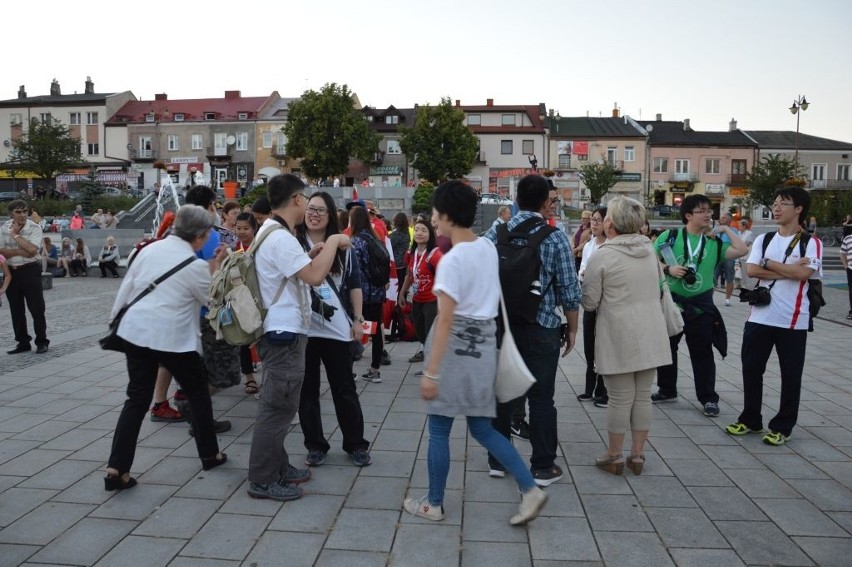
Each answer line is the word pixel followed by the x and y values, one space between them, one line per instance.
pixel 421 507
pixel 532 502
pixel 727 303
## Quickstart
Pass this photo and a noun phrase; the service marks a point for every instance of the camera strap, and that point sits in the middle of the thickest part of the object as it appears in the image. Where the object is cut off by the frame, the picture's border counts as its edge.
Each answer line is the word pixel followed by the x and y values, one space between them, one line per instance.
pixel 688 248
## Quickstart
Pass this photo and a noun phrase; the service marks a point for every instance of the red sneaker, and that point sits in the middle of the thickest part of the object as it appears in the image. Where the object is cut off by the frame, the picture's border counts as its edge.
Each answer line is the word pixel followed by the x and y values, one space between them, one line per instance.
pixel 164 412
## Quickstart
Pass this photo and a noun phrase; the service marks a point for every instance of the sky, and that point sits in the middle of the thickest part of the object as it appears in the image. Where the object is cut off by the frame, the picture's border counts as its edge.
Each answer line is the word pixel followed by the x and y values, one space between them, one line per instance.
pixel 706 60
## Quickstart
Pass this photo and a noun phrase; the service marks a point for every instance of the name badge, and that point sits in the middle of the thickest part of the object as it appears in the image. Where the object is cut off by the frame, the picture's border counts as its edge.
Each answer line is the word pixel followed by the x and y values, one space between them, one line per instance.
pixel 324 291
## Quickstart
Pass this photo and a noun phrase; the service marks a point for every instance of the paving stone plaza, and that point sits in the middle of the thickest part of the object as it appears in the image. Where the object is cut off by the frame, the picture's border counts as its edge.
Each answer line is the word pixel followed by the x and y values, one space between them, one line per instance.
pixel 704 498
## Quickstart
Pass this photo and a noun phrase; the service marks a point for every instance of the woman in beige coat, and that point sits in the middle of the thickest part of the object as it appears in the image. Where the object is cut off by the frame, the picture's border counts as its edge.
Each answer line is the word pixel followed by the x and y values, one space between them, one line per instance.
pixel 622 283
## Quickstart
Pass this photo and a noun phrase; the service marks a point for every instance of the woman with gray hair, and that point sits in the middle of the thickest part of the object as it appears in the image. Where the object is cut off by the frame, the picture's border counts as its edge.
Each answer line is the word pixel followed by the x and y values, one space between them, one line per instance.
pixel 163 329
pixel 108 260
pixel 622 283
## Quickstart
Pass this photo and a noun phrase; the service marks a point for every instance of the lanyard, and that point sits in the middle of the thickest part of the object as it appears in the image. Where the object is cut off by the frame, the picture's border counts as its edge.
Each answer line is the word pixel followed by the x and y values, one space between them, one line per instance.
pixel 699 252
pixel 417 260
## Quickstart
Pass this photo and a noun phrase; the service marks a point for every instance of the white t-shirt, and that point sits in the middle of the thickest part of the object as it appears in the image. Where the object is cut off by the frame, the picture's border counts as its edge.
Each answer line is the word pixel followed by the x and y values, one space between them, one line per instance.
pixel 589 249
pixel 469 274
pixel 281 256
pixel 789 308
pixel 339 328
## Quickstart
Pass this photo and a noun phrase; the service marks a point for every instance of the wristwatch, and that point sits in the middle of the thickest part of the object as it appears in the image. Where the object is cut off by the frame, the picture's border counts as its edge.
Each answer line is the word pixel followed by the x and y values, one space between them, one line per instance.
pixel 666 270
pixel 359 318
pixel 764 263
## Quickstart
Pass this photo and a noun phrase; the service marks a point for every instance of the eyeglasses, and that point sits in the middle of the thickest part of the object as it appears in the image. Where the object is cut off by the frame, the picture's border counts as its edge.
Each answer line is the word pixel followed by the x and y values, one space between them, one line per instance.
pixel 701 211
pixel 782 204
pixel 554 200
pixel 596 221
pixel 317 211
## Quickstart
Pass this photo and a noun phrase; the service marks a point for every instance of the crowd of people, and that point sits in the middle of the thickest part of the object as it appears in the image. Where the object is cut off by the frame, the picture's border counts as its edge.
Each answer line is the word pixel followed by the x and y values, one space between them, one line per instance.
pixel 314 270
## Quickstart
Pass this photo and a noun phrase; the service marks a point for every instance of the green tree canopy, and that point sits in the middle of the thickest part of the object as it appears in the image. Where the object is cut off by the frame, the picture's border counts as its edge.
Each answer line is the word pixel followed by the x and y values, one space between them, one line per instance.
pixel 768 176
pixel 598 178
pixel 423 198
pixel 325 130
pixel 440 145
pixel 47 149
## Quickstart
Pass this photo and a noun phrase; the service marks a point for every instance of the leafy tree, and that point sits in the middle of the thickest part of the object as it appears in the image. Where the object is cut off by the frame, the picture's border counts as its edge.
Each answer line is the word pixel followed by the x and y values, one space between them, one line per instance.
pixel 598 178
pixel 324 130
pixel 768 176
pixel 423 198
pixel 47 150
pixel 439 144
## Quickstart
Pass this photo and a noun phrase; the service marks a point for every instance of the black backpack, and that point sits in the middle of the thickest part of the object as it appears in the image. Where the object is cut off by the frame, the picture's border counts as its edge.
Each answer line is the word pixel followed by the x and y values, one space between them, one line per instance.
pixel 815 298
pixel 520 267
pixel 378 266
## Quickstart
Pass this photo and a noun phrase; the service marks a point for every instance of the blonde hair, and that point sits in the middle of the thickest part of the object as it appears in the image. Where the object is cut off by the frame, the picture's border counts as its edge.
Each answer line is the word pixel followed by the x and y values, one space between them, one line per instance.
pixel 627 215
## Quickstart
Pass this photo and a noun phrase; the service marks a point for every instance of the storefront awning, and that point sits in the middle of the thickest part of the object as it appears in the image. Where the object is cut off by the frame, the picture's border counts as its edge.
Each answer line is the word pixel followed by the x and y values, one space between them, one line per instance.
pixel 386 170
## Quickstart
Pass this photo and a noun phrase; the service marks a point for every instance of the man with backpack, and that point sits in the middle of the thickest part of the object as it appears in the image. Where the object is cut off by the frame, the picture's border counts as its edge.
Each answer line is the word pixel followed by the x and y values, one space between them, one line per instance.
pixel 536 275
pixel 780 315
pixel 284 274
pixel 691 256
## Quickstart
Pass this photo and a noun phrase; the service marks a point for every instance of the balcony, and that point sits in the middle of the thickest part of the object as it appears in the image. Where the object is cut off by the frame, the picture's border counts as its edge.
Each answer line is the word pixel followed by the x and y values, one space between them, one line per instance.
pixel 220 151
pixel 832 184
pixel 736 179
pixel 378 158
pixel 683 177
pixel 617 164
pixel 279 151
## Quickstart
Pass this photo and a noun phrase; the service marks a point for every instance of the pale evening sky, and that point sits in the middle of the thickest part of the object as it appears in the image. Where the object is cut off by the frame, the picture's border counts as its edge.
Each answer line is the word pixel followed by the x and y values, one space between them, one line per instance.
pixel 707 60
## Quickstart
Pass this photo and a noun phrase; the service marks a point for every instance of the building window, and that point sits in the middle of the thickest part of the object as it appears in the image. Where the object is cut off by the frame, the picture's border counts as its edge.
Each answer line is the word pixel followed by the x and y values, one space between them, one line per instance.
pixel 713 166
pixel 91 118
pixel 16 119
pixel 93 149
pixel 281 143
pixel 197 140
pixel 74 119
pixel 209 116
pixel 394 147
pixel 178 116
pixel 629 153
pixel 564 161
pixel 661 165
pixel 267 139
pixel 242 141
pixel 527 147
pixel 681 166
pixel 612 155
pixel 506 147
pixel 149 117
pixel 242 116
pixel 508 120
pixel 739 166
pixel 174 144
pixel 394 119
pixel 45 117
pixel 843 172
pixel 474 119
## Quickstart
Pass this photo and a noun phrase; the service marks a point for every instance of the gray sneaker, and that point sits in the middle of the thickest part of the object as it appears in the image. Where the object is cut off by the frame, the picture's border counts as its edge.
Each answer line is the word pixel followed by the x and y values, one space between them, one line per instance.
pixel 711 409
pixel 275 491
pixel 371 376
pixel 295 476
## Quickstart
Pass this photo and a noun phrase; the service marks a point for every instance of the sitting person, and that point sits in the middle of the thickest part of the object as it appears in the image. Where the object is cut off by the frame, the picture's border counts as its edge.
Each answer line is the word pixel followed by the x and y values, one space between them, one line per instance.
pixel 51 261
pixel 108 260
pixel 66 252
pixel 99 219
pixel 79 264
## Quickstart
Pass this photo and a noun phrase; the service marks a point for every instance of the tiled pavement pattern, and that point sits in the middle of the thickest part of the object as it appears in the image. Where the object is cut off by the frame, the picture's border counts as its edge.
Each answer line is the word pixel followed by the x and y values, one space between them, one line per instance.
pixel 704 498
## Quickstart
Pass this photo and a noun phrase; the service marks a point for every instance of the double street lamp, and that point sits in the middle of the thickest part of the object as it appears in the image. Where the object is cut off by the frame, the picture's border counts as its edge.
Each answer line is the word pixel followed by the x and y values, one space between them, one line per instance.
pixel 799 103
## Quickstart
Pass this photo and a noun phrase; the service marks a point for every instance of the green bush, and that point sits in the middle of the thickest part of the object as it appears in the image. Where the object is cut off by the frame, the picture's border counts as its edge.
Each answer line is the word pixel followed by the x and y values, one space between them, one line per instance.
pixel 55 207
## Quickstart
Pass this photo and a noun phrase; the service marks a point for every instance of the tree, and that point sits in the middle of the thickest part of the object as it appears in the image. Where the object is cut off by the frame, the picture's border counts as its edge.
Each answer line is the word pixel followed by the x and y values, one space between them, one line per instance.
pixel 423 198
pixel 439 144
pixel 768 176
pixel 47 149
pixel 598 178
pixel 325 130
pixel 91 189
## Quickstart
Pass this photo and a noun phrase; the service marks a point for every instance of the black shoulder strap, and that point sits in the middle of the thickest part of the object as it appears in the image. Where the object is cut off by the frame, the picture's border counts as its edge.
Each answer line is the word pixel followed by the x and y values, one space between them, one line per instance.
pixel 767 238
pixel 672 236
pixel 803 244
pixel 153 285
pixel 525 230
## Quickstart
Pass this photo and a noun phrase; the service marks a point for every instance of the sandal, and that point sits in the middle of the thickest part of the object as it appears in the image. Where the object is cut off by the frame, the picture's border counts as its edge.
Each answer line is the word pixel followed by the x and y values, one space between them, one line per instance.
pixel 612 464
pixel 118 483
pixel 251 387
pixel 636 463
pixel 213 462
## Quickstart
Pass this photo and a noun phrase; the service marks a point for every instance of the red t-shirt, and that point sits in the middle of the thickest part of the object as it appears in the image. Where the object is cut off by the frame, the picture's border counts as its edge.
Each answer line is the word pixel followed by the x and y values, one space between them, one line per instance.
pixel 423 275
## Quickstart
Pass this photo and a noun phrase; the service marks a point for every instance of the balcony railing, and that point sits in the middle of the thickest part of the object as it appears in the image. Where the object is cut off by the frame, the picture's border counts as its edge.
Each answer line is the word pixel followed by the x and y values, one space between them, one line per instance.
pixel 279 150
pixel 144 154
pixel 736 179
pixel 217 150
pixel 675 177
pixel 617 164
pixel 378 158
pixel 838 184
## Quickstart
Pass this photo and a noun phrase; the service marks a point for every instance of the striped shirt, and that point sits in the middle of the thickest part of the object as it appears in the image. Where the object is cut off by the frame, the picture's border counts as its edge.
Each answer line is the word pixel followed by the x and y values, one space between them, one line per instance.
pixel 846 250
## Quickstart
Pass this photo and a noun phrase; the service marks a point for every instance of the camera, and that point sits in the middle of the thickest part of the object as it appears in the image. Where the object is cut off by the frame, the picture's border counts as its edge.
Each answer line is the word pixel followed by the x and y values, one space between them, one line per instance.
pixel 320 307
pixel 689 276
pixel 757 296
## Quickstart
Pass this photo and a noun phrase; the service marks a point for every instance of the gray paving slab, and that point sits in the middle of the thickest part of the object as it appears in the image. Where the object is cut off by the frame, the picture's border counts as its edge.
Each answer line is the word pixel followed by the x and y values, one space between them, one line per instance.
pixel 85 542
pixel 44 523
pixel 476 554
pixel 685 527
pixel 826 551
pixel 762 543
pixel 363 530
pixel 703 557
pixel 226 536
pixel 136 551
pixel 336 557
pixel 178 518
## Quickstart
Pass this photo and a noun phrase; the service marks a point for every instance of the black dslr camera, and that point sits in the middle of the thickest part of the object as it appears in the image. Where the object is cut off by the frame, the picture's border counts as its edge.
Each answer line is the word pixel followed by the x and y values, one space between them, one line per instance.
pixel 689 276
pixel 757 296
pixel 321 307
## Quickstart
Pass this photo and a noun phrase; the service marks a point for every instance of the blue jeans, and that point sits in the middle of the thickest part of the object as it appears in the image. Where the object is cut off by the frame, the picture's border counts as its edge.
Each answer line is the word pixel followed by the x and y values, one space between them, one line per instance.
pixel 539 347
pixel 481 429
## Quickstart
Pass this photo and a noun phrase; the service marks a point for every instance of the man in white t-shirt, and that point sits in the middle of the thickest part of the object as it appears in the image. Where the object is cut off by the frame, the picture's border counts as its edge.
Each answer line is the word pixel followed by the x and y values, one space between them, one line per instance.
pixel 782 322
pixel 284 272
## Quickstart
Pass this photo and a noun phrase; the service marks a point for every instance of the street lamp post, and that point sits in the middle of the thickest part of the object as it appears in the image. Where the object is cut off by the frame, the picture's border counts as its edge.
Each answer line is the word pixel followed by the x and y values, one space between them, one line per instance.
pixel 799 103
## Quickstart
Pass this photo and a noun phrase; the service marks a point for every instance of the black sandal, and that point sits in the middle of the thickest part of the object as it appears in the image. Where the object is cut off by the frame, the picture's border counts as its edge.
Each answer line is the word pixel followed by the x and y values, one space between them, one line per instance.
pixel 118 483
pixel 251 387
pixel 213 462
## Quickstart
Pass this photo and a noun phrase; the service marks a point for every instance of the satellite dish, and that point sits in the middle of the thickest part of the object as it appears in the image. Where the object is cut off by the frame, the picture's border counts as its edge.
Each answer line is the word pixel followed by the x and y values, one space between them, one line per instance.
pixel 231 140
pixel 7 143
pixel 649 127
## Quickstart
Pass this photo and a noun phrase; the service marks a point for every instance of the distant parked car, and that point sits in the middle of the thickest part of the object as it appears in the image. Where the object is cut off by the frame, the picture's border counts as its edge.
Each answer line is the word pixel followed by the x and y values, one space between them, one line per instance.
pixel 7 196
pixel 494 199
pixel 665 210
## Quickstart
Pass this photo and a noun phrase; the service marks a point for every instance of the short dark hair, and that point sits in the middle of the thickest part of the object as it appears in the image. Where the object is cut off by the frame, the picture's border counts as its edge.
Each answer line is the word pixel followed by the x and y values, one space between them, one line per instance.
pixel 282 187
pixel 433 238
pixel 690 203
pixel 18 204
pixel 533 192
pixel 457 200
pixel 798 195
pixel 200 195
pixel 249 218
pixel 400 222
pixel 359 221
pixel 261 206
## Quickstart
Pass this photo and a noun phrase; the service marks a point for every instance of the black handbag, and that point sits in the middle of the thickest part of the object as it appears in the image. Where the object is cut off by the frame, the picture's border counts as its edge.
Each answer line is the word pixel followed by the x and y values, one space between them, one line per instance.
pixel 112 341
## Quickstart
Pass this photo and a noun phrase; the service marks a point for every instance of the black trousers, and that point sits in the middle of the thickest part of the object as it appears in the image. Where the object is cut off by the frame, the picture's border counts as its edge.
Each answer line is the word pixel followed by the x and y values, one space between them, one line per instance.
pixel 699 340
pixel 190 373
pixel 789 344
pixel 594 381
pixel 373 312
pixel 111 266
pixel 26 288
pixel 336 356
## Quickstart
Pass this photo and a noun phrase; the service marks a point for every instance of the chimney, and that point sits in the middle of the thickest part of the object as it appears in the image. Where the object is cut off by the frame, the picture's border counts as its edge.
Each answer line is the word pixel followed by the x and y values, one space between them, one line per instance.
pixel 732 125
pixel 615 110
pixel 54 88
pixel 686 127
pixel 90 86
pixel 232 95
pixel 489 102
pixel 659 118
pixel 458 103
pixel 22 93
pixel 161 96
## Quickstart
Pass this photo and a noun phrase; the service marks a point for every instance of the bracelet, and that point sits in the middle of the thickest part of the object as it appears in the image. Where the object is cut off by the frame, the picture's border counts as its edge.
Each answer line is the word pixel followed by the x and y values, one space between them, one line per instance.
pixel 431 377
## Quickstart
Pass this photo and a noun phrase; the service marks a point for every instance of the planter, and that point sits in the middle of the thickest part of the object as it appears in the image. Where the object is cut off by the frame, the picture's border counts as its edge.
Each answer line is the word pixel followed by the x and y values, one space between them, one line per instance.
pixel 230 188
